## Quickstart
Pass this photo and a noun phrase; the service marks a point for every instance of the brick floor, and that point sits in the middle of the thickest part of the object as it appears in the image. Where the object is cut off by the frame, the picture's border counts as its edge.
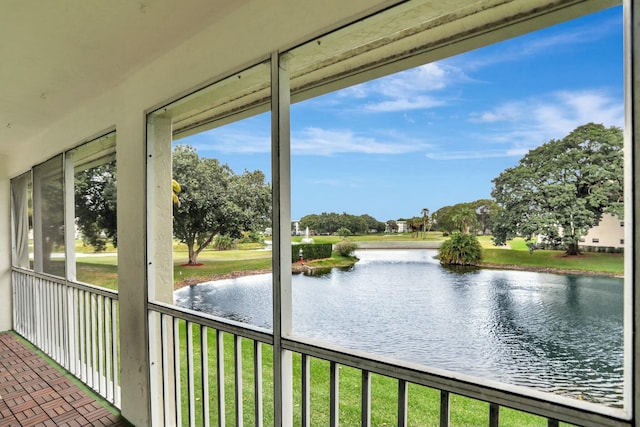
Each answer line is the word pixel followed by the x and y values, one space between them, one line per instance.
pixel 34 393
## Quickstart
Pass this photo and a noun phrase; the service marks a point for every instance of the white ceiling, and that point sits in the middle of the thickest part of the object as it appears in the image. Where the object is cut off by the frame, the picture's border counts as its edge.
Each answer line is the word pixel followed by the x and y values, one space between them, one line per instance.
pixel 58 54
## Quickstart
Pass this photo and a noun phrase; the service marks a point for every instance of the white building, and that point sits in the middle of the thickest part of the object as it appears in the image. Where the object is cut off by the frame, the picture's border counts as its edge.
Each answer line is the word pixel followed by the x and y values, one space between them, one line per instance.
pixel 609 233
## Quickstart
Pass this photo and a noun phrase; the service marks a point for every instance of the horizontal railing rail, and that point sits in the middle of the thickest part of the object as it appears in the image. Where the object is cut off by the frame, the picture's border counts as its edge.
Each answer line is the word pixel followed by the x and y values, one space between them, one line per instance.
pixel 194 369
pixel 497 394
pixel 73 323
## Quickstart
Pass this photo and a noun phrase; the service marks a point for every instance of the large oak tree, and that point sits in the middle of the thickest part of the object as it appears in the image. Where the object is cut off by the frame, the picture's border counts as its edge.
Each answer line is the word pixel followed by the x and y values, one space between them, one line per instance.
pixel 215 201
pixel 561 189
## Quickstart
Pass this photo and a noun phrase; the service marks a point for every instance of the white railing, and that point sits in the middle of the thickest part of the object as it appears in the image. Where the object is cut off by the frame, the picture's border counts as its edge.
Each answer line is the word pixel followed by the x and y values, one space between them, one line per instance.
pixel 74 324
pixel 193 369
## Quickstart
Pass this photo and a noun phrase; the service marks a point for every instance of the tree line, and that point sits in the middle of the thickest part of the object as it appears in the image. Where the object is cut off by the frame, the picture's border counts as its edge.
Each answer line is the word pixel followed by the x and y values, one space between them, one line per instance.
pixel 331 223
pixel 557 192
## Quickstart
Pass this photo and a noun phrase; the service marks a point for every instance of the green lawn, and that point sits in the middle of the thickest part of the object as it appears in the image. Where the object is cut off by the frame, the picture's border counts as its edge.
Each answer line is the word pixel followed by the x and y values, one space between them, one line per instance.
pixel 517 254
pixel 423 408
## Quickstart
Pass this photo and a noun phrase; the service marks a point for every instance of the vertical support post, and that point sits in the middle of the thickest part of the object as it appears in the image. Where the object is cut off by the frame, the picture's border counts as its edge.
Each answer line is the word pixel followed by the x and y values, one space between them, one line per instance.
pixel 69 217
pixel 403 403
pixel 305 373
pixel 366 399
pixel 37 222
pixel 281 173
pixel 631 400
pixel 159 227
pixel 632 201
pixel 445 408
pixel 160 212
pixel 334 394
pixel 494 415
pixel 6 320
pixel 133 325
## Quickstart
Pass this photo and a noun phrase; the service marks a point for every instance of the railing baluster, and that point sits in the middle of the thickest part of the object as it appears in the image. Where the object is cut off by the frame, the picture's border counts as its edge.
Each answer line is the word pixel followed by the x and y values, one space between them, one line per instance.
pixel 494 415
pixel 82 366
pixel 101 346
pixel 365 406
pixel 403 406
pixel 257 383
pixel 334 394
pixel 87 336
pixel 176 369
pixel 71 329
pixel 305 370
pixel 165 371
pixel 94 342
pixel 445 409
pixel 237 362
pixel 108 349
pixel 204 374
pixel 115 348
pixel 220 379
pixel 70 323
pixel 191 395
pixel 62 321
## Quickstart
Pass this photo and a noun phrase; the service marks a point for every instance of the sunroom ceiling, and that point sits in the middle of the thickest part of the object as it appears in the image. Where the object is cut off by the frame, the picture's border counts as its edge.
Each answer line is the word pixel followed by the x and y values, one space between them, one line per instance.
pixel 58 55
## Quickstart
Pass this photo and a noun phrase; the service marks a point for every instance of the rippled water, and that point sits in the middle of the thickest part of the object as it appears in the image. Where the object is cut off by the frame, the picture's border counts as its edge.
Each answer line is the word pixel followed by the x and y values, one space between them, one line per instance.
pixel 556 333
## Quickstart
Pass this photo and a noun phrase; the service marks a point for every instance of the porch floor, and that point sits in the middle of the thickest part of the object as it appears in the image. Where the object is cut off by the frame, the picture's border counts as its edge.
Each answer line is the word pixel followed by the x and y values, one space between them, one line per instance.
pixel 34 392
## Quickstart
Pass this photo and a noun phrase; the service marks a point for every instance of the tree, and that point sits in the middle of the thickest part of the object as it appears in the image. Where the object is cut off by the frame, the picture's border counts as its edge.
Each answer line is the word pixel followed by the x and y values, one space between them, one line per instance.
pixel 392 226
pixel 329 223
pixel 486 209
pixel 95 203
pixel 460 249
pixel 460 217
pixel 215 201
pixel 464 218
pixel 561 189
pixel 425 219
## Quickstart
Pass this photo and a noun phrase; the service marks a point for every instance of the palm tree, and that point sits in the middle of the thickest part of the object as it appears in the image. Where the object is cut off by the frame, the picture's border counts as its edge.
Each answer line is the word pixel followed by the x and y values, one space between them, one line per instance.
pixel 464 219
pixel 425 217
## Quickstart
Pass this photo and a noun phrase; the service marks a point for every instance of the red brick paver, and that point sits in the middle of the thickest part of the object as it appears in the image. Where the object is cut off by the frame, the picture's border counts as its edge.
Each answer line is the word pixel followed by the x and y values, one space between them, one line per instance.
pixel 34 393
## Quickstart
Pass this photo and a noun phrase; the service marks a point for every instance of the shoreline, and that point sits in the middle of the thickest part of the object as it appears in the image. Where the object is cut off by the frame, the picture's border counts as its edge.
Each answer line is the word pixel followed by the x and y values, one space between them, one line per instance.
pixel 298 268
pixel 552 270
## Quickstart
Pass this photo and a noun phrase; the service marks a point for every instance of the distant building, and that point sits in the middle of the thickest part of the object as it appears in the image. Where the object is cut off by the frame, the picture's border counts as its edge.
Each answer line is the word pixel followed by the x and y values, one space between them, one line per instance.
pixel 295 228
pixel 608 233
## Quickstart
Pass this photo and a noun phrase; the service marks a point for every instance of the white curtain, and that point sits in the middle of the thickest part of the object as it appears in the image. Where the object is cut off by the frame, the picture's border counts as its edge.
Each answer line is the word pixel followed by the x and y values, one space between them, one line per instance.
pixel 20 220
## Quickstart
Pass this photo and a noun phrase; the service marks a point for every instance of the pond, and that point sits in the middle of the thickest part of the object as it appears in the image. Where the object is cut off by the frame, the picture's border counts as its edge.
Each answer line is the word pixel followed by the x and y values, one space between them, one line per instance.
pixel 557 333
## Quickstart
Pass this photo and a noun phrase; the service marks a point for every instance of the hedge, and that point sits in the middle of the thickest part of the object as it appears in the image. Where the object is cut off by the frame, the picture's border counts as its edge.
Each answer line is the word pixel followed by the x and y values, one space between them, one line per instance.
pixel 311 251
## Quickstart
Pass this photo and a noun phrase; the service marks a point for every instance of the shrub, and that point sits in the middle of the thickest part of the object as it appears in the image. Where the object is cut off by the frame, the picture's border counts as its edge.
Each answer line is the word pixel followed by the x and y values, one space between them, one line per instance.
pixel 346 247
pixel 344 232
pixel 223 242
pixel 311 251
pixel 460 249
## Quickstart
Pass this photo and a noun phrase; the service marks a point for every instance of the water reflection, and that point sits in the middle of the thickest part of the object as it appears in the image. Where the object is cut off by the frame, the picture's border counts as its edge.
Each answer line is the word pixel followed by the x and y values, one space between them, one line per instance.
pixel 556 333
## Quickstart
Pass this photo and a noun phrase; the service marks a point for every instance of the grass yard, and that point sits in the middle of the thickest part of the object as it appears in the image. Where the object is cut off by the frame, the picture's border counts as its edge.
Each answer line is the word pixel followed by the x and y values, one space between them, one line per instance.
pixel 423 408
pixel 517 254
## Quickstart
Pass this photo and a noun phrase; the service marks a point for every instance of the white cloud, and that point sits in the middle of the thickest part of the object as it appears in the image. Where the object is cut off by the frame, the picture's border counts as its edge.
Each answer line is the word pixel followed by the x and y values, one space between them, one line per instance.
pixel 223 141
pixel 327 142
pixel 536 120
pixel 408 90
pixel 513 128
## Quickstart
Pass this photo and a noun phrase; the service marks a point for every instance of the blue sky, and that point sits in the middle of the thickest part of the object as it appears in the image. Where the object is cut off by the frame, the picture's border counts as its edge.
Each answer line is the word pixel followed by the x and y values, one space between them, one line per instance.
pixel 437 134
